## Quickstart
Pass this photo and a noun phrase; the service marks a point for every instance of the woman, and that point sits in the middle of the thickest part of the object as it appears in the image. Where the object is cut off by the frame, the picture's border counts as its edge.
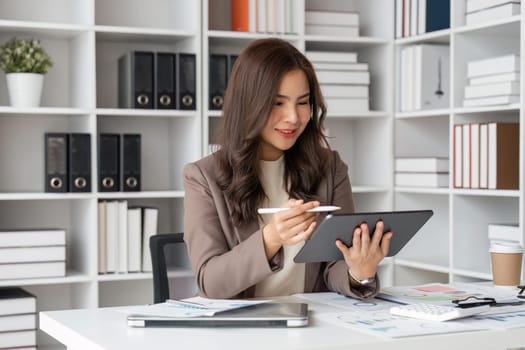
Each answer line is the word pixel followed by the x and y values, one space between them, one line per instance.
pixel 272 153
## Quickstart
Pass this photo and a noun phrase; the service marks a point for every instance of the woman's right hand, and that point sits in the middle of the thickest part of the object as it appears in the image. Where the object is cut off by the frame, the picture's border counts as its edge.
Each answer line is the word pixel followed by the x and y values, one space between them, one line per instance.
pixel 290 226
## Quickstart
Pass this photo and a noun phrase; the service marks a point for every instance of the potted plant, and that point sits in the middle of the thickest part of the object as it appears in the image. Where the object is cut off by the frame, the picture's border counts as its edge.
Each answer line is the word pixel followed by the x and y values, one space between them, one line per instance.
pixel 25 62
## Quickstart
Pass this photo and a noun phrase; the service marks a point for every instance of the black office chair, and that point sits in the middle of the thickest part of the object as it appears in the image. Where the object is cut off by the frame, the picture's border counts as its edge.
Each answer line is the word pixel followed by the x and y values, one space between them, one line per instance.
pixel 168 252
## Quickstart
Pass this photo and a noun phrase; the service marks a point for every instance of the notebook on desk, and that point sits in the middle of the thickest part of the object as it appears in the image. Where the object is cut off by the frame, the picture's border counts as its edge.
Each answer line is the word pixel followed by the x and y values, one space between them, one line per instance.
pixel 259 315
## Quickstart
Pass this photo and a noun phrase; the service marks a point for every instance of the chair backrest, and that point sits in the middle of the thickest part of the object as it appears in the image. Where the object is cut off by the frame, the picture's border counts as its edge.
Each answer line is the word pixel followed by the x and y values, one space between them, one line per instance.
pixel 168 252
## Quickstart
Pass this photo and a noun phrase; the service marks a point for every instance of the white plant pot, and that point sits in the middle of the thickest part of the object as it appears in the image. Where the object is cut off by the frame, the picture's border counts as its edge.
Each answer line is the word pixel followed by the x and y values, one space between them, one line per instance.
pixel 25 89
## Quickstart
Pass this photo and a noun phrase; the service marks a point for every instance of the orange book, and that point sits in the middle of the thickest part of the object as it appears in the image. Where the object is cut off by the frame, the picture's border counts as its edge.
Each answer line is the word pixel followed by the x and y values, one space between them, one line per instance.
pixel 240 15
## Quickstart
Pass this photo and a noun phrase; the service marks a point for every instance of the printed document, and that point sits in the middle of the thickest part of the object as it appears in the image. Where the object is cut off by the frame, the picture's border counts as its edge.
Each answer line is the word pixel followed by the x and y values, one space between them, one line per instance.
pixel 190 307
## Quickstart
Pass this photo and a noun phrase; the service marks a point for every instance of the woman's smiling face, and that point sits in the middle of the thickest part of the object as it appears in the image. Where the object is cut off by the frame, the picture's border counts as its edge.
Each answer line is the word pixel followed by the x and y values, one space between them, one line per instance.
pixel 289 116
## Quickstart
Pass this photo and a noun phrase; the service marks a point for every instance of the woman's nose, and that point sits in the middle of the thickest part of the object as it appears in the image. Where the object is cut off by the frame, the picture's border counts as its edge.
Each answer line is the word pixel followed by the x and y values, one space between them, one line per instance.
pixel 291 114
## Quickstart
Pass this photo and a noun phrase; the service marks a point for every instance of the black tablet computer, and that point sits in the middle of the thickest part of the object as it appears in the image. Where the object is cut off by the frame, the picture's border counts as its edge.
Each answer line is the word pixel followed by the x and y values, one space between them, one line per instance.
pixel 321 244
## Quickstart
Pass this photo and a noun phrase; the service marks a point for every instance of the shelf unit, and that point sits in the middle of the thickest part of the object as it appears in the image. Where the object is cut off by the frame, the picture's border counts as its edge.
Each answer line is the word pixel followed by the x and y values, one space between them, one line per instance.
pixel 453 245
pixel 85 39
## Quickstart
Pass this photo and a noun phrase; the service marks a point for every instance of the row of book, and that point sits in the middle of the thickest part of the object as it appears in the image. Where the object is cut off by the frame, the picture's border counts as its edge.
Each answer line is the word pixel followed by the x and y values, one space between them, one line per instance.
pixel 344 81
pixel 421 172
pixel 479 11
pixel 424 77
pixel 331 23
pixel 264 16
pixel 68 162
pixel 493 81
pixel 123 236
pixel 161 80
pixel 37 253
pixel 486 155
pixel 18 319
pixel 414 17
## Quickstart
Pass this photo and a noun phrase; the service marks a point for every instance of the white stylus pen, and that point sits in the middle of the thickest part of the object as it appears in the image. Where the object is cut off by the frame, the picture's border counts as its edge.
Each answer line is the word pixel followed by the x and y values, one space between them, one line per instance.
pixel 322 208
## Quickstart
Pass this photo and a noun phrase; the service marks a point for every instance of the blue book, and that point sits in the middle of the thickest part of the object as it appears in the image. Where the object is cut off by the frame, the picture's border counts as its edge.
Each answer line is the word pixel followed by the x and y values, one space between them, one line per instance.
pixel 437 15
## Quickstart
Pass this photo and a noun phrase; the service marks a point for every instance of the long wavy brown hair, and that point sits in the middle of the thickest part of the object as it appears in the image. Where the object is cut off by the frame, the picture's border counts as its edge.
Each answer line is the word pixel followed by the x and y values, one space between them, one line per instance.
pixel 248 101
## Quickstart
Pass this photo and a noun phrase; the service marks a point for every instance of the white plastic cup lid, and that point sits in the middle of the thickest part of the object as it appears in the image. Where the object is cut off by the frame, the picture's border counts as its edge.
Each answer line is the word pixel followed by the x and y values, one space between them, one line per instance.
pixel 505 247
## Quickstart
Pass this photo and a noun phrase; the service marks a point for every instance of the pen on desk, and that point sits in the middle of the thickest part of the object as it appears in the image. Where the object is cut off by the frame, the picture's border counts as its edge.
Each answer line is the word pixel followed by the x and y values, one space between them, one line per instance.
pixel 322 208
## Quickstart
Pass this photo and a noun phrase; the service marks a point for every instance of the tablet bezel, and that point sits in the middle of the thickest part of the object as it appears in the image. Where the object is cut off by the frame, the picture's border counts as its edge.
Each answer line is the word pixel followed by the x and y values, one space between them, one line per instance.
pixel 321 246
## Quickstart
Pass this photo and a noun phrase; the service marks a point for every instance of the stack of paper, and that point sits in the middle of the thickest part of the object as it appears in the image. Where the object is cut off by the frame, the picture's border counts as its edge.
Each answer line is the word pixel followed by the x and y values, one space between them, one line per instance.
pixel 17 319
pixel 344 81
pixel 32 253
pixel 332 23
pixel 190 307
pixel 422 172
pixel 493 81
pixel 479 11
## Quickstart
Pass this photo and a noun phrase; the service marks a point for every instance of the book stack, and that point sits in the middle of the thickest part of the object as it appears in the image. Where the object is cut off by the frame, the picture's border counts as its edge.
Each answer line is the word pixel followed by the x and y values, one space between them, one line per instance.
pixel 32 253
pixel 17 319
pixel 505 233
pixel 421 172
pixel 123 237
pixel 486 155
pixel 479 11
pixel 344 81
pixel 493 81
pixel 424 77
pixel 331 23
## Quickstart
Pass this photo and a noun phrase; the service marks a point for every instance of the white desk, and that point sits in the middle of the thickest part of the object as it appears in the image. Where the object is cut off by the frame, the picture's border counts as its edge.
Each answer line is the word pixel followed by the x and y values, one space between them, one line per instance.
pixel 107 329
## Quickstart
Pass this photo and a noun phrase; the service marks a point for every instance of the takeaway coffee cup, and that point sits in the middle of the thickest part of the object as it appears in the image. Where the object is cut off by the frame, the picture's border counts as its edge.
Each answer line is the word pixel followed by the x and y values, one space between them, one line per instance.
pixel 506 258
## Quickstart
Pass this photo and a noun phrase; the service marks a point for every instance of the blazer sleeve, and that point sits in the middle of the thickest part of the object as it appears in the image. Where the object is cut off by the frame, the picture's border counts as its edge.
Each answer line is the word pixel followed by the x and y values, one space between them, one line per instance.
pixel 224 263
pixel 336 274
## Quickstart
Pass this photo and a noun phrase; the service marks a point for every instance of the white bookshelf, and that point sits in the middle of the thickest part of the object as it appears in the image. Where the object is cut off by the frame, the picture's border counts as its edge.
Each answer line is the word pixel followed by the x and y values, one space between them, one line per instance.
pixel 85 39
pixel 453 245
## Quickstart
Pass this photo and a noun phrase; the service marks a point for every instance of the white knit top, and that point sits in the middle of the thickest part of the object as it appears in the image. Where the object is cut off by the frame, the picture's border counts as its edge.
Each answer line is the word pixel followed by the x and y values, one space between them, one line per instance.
pixel 290 279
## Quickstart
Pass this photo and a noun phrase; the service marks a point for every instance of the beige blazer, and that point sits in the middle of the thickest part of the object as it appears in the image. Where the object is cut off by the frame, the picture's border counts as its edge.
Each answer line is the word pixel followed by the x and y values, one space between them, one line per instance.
pixel 229 261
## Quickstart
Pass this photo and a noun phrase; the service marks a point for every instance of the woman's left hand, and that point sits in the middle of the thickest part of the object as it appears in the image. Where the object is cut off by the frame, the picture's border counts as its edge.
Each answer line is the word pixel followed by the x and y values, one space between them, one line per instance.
pixel 366 251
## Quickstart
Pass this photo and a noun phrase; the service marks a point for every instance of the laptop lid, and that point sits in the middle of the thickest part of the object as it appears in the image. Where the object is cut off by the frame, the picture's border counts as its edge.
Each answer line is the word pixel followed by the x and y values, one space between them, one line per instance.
pixel 259 315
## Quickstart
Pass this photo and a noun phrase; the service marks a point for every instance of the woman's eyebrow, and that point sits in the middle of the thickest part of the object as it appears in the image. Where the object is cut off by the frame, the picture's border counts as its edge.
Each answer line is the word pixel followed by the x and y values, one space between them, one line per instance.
pixel 288 97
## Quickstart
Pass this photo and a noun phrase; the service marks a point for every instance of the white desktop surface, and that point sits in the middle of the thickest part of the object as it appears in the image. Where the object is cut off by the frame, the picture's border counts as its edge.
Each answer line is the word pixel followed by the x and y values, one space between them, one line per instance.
pixel 106 329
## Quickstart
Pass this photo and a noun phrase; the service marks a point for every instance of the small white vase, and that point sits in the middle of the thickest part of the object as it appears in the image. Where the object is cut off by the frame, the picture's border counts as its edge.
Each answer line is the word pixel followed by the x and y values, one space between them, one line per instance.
pixel 25 89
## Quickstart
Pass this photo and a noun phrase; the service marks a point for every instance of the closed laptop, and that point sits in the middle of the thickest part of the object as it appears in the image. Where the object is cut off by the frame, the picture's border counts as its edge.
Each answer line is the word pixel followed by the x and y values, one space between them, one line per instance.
pixel 259 315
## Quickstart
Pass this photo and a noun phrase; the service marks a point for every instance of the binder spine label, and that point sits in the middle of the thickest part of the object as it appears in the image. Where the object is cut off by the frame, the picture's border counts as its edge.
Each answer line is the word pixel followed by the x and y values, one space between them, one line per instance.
pixel 165 92
pixel 130 167
pixel 80 162
pixel 186 81
pixel 56 157
pixel 136 80
pixel 217 80
pixel 109 163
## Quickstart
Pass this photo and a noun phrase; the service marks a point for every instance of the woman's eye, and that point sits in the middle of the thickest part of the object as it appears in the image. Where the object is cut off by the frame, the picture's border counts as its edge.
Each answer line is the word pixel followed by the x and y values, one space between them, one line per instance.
pixel 278 103
pixel 302 103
